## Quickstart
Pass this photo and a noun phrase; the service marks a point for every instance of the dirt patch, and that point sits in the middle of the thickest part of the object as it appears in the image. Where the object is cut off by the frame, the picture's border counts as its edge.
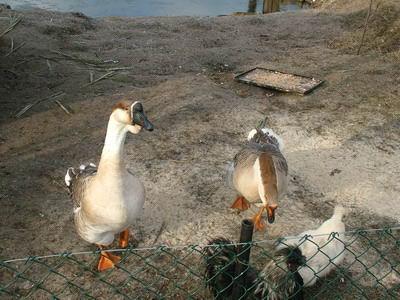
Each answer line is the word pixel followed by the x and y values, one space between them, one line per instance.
pixel 382 34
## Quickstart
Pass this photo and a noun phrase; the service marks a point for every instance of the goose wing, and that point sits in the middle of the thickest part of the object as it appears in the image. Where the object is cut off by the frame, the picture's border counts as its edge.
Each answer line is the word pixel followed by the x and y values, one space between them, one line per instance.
pixel 273 163
pixel 77 180
pixel 248 155
pixel 274 159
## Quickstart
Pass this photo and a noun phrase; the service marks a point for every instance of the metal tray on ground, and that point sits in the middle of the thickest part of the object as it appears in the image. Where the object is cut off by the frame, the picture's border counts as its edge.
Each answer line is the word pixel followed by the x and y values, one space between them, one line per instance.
pixel 280 81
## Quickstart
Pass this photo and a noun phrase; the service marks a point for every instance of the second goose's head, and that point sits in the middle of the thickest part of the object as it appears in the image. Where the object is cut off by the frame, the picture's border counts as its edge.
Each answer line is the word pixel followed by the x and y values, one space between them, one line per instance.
pixel 131 116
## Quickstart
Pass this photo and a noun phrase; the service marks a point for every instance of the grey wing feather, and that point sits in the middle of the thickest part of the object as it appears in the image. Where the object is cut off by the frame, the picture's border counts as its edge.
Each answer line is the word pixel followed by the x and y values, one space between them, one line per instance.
pixel 79 179
pixel 249 153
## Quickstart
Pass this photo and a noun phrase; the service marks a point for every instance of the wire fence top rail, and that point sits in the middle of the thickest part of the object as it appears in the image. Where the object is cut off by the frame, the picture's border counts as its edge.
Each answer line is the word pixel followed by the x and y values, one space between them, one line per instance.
pixel 177 247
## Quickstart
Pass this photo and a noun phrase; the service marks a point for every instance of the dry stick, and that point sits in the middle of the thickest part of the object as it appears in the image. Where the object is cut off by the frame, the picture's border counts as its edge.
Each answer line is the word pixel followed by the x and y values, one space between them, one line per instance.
pixel 63 107
pixel 365 27
pixel 162 227
pixel 29 106
pixel 12 45
pixel 120 68
pixel 15 49
pixel 49 65
pixel 89 62
pixel 105 76
pixel 11 27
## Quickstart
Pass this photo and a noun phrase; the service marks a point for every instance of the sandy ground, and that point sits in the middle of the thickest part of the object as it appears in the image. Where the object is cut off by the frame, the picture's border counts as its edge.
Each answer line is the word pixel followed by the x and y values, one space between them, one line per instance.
pixel 341 142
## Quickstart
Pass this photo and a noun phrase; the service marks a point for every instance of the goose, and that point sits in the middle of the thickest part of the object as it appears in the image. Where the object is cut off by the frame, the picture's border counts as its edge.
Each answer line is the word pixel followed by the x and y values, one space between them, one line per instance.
pixel 259 172
pixel 108 198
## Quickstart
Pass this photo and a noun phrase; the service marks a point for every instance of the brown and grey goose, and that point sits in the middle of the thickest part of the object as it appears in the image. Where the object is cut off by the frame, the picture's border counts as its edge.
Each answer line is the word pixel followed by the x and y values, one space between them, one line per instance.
pixel 260 173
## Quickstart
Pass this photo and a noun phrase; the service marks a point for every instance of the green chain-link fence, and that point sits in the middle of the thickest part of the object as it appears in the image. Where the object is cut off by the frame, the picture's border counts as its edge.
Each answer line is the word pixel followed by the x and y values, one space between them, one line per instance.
pixel 370 270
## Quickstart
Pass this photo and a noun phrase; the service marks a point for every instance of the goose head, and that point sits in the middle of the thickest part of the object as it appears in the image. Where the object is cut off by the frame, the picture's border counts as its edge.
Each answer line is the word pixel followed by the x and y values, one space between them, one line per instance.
pixel 131 116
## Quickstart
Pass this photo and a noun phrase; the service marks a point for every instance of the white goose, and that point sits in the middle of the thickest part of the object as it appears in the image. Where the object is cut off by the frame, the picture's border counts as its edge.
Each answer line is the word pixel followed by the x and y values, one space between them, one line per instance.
pixel 260 173
pixel 109 198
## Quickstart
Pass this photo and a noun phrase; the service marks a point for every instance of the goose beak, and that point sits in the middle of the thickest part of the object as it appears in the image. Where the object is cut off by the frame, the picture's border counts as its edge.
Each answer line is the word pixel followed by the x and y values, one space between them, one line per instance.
pixel 139 117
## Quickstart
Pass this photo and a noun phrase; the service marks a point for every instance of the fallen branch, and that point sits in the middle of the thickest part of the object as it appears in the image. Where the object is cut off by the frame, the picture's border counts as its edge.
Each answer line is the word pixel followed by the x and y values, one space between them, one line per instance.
pixel 365 27
pixel 15 49
pixel 29 106
pixel 162 227
pixel 119 68
pixel 63 107
pixel 88 62
pixel 14 22
pixel 105 76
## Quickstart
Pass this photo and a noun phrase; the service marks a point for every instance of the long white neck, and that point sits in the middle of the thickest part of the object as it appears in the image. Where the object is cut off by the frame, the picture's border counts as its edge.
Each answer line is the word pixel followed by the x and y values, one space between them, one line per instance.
pixel 113 150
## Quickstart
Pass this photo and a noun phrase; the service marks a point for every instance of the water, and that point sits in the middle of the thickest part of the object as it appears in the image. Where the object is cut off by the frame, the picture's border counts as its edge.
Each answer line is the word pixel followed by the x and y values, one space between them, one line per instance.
pixel 100 8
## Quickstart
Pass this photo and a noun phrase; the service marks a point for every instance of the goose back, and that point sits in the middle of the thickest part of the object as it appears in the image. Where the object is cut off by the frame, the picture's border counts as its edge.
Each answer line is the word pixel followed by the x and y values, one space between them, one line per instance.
pixel 255 162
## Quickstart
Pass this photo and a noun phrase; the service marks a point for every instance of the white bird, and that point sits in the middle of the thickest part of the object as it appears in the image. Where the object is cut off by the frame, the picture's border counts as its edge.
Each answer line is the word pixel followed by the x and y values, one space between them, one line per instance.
pixel 108 199
pixel 324 247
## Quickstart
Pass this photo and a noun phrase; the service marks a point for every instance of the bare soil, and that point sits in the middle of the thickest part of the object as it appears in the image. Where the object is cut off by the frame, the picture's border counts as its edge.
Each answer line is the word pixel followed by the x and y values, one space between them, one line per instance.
pixel 341 141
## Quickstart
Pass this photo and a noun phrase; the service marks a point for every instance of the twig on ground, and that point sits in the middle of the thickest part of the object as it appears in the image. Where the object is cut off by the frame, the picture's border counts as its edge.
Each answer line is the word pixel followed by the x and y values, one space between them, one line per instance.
pixel 162 227
pixel 25 61
pixel 49 65
pixel 12 44
pixel 12 72
pixel 365 27
pixel 29 106
pixel 89 62
pixel 105 76
pixel 63 107
pixel 112 61
pixel 14 22
pixel 119 69
pixel 13 50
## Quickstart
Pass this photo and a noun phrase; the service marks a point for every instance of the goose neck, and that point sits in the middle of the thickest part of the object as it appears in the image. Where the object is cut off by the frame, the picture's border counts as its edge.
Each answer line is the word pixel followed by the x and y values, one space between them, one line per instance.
pixel 113 150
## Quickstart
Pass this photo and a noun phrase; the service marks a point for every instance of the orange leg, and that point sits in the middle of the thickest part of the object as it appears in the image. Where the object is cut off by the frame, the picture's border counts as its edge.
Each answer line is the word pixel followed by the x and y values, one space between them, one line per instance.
pixel 107 260
pixel 124 238
pixel 259 223
pixel 241 203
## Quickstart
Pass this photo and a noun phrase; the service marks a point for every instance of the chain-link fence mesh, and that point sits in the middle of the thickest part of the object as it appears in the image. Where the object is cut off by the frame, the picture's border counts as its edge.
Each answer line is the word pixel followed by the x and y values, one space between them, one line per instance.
pixel 368 268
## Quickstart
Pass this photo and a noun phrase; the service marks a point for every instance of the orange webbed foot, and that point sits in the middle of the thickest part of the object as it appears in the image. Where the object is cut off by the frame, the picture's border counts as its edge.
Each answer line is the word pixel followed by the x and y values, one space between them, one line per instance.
pixel 241 204
pixel 107 261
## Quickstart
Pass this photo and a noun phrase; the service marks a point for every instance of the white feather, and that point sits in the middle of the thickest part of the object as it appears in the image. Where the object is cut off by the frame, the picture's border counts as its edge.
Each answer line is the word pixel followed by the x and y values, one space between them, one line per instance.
pixel 251 134
pixel 68 178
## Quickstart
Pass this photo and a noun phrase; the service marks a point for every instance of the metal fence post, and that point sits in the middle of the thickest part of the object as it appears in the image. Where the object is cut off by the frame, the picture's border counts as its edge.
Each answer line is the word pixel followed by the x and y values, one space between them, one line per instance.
pixel 242 261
